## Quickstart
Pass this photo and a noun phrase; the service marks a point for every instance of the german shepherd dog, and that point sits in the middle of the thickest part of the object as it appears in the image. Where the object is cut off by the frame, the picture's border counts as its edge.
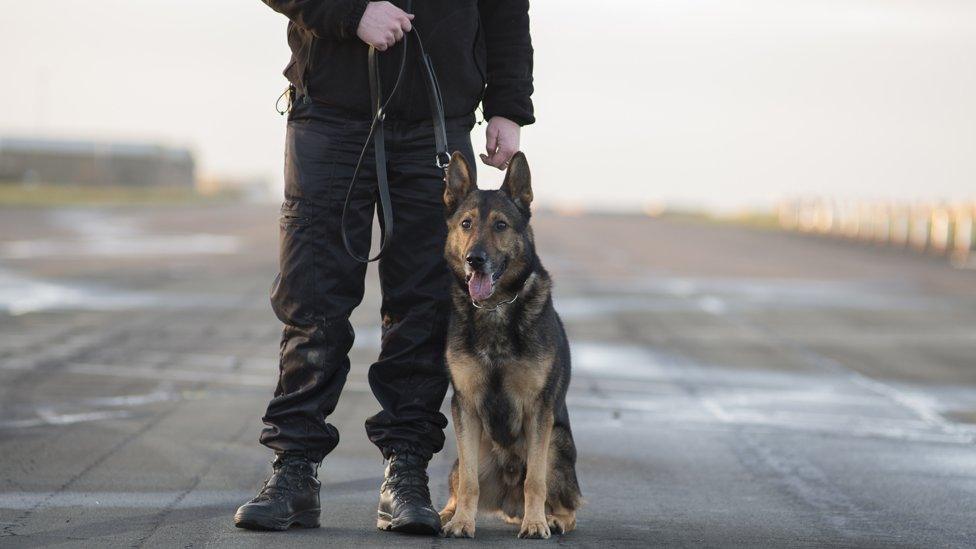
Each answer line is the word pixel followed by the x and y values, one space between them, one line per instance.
pixel 508 357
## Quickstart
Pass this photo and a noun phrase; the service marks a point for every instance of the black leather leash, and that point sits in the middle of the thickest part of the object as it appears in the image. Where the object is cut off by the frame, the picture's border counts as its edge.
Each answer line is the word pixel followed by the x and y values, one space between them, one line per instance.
pixel 441 156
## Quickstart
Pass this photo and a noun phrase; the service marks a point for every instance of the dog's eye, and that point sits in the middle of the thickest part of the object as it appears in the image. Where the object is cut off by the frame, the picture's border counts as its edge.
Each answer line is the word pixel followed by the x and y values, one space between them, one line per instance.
pixel 466 224
pixel 501 226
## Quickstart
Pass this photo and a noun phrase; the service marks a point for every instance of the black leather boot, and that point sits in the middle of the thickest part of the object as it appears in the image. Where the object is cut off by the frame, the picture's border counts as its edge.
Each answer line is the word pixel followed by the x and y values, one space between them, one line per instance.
pixel 405 497
pixel 289 497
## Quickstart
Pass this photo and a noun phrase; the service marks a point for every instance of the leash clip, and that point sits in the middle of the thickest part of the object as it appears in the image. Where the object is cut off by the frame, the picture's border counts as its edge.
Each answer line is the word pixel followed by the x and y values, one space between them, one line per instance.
pixel 442 160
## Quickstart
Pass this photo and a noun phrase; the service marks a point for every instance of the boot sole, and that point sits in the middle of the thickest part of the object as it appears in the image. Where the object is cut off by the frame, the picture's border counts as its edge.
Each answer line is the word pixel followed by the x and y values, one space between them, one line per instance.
pixel 304 519
pixel 407 526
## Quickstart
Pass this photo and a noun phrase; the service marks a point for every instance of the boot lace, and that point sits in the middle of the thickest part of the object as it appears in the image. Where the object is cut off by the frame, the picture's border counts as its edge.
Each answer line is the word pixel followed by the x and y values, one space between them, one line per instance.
pixel 289 474
pixel 408 480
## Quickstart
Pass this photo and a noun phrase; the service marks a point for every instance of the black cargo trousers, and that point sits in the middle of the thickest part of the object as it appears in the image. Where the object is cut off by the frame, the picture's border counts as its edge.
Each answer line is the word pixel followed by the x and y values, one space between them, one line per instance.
pixel 319 283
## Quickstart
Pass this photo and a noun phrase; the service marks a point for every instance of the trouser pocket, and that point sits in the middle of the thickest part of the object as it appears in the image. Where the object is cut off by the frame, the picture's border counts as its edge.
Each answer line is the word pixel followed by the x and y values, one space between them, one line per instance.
pixel 295 288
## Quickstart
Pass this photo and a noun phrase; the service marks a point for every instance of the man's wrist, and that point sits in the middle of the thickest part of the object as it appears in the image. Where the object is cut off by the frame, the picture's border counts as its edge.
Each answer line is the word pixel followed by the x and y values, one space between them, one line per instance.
pixel 504 119
pixel 520 120
pixel 350 21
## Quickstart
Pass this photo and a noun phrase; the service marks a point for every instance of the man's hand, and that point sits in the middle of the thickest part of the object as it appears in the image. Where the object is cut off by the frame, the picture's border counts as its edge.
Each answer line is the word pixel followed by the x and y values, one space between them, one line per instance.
pixel 502 142
pixel 383 25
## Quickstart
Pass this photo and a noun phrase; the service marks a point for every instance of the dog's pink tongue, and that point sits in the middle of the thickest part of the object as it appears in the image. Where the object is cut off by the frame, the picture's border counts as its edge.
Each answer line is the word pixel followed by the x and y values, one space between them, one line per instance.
pixel 479 286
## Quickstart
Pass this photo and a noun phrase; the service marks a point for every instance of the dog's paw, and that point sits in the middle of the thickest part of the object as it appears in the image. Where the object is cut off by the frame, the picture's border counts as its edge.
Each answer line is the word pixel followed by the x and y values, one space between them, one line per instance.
pixel 446 516
pixel 458 528
pixel 561 524
pixel 534 529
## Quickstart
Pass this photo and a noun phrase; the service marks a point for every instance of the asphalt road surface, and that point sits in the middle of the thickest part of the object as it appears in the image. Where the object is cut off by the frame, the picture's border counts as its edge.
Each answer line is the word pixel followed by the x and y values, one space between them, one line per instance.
pixel 732 386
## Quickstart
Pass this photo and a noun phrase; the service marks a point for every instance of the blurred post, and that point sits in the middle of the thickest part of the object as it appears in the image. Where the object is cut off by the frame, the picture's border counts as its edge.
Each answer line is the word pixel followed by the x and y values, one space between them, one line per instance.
pixel 865 224
pixel 945 229
pixel 920 226
pixel 962 240
pixel 806 216
pixel 900 225
pixel 940 237
pixel 824 216
pixel 788 214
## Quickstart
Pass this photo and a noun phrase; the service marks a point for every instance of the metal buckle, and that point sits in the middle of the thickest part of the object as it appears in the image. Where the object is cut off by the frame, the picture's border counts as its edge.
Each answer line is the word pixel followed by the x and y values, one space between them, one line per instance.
pixel 440 162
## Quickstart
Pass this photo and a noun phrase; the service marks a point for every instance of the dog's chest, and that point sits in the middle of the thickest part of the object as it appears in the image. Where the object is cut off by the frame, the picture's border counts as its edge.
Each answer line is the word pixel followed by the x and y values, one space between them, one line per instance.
pixel 501 411
pixel 495 339
pixel 505 393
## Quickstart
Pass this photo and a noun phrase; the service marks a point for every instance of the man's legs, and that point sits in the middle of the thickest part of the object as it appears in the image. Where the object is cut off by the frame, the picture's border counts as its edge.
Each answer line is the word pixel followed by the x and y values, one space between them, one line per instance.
pixel 319 284
pixel 316 290
pixel 410 378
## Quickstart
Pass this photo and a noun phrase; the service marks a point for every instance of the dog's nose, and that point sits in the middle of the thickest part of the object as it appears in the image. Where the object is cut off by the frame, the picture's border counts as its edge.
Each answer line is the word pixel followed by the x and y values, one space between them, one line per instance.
pixel 477 259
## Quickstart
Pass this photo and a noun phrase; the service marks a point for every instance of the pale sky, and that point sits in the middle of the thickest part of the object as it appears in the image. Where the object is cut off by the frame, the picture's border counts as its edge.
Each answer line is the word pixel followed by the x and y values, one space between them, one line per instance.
pixel 712 103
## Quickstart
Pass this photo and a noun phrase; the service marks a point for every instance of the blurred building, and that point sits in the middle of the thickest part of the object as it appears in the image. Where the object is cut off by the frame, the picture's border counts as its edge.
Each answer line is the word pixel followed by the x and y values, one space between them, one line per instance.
pixel 251 189
pixel 94 163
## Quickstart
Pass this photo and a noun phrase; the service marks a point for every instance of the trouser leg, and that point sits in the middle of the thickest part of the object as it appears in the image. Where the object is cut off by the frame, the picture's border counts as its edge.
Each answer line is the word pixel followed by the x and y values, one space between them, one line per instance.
pixel 410 378
pixel 319 284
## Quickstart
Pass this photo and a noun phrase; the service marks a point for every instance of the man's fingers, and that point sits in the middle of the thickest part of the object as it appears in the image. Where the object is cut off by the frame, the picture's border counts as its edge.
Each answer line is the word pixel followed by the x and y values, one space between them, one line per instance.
pixel 501 158
pixel 491 141
pixel 495 161
pixel 488 161
pixel 383 25
pixel 505 155
pixel 493 144
pixel 402 25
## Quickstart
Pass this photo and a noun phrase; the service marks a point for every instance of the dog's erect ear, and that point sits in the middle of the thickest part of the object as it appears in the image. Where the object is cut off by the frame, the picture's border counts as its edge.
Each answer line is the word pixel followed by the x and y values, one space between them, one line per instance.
pixel 459 182
pixel 518 181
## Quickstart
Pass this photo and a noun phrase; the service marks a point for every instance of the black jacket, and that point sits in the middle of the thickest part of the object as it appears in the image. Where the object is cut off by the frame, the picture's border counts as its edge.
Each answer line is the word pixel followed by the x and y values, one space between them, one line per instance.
pixel 481 51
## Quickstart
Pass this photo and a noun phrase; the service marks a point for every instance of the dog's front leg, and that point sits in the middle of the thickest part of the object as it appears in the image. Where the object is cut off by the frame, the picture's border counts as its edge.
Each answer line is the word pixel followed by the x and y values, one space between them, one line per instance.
pixel 538 432
pixel 467 426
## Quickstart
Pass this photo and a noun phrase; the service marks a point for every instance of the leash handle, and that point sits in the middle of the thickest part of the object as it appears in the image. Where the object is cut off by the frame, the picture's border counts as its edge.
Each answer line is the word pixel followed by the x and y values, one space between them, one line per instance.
pixel 442 154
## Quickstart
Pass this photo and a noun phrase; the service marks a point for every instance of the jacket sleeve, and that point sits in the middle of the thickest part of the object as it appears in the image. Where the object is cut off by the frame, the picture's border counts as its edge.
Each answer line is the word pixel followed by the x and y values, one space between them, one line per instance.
pixel 331 19
pixel 506 29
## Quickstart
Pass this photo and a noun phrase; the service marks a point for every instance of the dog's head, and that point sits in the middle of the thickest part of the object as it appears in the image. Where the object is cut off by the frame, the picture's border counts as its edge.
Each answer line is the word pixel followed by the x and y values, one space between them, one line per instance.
pixel 489 242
